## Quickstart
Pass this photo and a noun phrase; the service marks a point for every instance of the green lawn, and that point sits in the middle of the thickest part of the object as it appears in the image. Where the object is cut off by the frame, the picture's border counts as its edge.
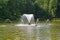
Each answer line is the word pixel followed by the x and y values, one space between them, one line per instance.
pixel 55 21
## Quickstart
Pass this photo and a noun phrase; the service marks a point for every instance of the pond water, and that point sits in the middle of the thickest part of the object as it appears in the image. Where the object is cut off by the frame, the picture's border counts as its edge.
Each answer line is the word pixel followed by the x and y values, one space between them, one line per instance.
pixel 40 32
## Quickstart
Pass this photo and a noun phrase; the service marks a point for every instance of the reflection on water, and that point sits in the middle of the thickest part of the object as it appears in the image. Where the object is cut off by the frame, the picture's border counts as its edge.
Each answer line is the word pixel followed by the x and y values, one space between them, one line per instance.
pixel 43 32
pixel 39 32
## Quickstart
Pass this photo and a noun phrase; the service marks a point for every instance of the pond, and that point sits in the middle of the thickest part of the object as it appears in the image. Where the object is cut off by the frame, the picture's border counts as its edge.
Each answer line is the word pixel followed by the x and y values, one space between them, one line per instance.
pixel 40 32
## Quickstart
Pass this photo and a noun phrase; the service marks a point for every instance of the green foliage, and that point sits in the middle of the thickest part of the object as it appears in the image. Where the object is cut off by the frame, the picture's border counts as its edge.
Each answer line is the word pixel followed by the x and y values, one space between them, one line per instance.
pixel 58 10
pixel 13 9
pixel 48 5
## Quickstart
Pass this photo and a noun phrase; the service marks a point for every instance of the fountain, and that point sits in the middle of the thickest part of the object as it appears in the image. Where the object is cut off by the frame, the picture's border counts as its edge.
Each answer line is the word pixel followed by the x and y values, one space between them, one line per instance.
pixel 27 19
pixel 33 31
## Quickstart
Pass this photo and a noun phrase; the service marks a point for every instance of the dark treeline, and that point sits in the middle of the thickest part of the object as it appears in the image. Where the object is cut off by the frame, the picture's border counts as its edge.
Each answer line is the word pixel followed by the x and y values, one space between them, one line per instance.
pixel 42 9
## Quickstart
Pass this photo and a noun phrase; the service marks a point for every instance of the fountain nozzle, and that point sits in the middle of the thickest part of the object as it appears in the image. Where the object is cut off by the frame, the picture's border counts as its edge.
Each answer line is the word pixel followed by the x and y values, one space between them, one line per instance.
pixel 29 23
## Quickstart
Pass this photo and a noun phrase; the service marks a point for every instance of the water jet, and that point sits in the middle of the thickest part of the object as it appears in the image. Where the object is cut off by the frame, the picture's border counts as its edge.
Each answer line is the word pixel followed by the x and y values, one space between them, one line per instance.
pixel 27 18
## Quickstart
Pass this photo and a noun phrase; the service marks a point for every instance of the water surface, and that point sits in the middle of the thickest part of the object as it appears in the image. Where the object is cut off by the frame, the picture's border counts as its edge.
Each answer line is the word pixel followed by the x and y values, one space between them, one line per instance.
pixel 40 32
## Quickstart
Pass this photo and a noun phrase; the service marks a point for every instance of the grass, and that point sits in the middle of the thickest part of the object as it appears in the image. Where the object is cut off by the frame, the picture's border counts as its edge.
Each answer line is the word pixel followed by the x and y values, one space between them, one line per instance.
pixel 55 21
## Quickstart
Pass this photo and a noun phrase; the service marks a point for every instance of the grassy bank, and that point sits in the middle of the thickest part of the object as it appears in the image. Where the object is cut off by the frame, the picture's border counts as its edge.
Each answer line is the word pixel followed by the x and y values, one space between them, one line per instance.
pixel 55 21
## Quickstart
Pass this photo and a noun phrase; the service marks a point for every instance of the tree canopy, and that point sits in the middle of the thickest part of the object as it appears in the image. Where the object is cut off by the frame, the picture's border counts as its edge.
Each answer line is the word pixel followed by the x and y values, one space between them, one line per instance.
pixel 13 9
